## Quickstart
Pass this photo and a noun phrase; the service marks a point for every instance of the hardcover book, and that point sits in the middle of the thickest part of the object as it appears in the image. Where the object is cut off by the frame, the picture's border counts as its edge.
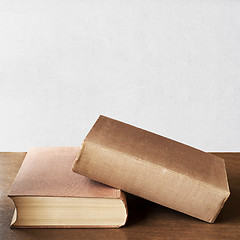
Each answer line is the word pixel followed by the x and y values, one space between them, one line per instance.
pixel 46 193
pixel 155 168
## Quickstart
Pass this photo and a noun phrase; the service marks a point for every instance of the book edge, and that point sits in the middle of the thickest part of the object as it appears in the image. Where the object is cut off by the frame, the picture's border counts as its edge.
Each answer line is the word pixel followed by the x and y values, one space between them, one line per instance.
pixel 122 197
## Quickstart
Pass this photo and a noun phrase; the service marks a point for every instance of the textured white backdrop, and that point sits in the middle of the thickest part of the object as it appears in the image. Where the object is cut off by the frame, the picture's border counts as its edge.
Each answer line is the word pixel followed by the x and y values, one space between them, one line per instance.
pixel 171 67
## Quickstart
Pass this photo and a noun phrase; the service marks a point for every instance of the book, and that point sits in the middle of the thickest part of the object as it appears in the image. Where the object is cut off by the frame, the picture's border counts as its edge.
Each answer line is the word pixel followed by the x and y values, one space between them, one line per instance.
pixel 46 193
pixel 155 168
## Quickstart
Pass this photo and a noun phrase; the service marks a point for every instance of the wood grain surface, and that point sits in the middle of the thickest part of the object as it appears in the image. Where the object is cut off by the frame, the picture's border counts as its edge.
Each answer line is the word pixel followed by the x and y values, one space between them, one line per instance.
pixel 146 220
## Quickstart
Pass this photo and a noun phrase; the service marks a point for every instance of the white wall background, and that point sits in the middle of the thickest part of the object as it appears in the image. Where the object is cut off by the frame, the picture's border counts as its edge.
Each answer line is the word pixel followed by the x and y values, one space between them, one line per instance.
pixel 171 67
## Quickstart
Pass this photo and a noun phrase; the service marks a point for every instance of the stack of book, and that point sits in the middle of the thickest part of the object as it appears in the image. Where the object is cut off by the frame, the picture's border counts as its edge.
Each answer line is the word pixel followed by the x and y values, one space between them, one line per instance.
pixel 65 186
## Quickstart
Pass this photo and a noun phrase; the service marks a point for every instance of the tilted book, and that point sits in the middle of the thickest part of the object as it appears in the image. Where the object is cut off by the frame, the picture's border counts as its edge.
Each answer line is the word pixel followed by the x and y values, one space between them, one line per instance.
pixel 155 168
pixel 46 193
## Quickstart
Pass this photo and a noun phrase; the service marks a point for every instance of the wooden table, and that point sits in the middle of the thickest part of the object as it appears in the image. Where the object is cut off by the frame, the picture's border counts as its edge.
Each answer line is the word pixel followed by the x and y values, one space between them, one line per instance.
pixel 146 220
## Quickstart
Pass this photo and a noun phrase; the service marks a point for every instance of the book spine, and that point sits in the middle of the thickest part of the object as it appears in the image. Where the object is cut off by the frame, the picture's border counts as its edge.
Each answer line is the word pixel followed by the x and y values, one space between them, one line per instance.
pixel 150 181
pixel 123 198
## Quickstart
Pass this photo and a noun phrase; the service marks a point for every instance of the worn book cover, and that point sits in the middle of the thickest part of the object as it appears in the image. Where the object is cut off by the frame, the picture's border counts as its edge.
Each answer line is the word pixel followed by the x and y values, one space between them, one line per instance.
pixel 47 193
pixel 155 168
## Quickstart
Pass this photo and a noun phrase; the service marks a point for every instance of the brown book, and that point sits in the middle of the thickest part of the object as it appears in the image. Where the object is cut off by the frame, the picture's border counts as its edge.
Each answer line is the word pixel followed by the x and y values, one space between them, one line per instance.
pixel 155 168
pixel 46 193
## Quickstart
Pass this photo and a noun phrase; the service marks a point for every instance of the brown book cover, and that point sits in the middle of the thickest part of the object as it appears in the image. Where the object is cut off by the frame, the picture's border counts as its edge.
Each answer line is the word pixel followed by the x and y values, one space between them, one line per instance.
pixel 155 168
pixel 46 173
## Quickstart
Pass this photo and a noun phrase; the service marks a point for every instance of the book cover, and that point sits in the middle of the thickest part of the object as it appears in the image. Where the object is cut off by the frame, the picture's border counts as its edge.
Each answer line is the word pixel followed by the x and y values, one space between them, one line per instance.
pixel 45 181
pixel 155 168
